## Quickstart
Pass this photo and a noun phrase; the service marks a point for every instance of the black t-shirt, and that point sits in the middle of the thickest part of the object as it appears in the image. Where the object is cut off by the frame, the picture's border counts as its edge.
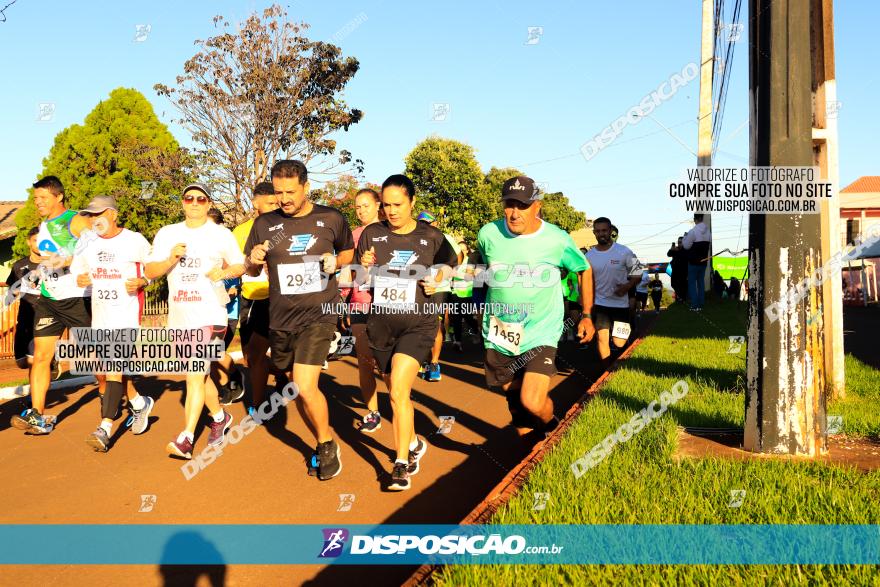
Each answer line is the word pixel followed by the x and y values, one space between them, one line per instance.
pixel 297 285
pixel 26 269
pixel 655 286
pixel 400 257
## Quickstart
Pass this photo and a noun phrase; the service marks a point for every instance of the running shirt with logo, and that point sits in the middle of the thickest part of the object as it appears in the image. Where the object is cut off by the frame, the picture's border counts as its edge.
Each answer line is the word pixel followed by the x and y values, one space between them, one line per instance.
pixel 525 307
pixel 298 287
pixel 394 279
pixel 27 273
pixel 55 238
pixel 194 301
pixel 110 262
pixel 252 288
pixel 610 269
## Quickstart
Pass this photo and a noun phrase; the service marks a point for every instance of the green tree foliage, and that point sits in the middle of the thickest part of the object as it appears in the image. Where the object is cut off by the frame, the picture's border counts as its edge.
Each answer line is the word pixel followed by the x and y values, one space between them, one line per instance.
pixel 123 150
pixel 557 210
pixel 450 183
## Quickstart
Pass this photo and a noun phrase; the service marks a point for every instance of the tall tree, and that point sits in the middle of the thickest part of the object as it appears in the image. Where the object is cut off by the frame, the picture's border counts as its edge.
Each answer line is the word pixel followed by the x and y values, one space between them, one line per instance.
pixel 263 92
pixel 123 150
pixel 449 182
pixel 556 209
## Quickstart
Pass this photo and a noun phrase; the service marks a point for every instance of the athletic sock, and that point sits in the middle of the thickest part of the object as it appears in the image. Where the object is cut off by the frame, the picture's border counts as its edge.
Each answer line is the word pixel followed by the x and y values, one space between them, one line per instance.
pixel 107 427
pixel 138 403
pixel 185 436
pixel 401 462
pixel 414 443
pixel 218 417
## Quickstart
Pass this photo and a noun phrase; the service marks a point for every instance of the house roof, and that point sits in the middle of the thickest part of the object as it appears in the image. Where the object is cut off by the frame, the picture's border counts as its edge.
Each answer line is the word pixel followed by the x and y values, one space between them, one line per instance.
pixel 864 184
pixel 8 209
pixel 583 237
pixel 862 194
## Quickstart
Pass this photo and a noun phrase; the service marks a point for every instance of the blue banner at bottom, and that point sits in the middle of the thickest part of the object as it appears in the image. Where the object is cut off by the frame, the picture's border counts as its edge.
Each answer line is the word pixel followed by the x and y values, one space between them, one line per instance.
pixel 439 544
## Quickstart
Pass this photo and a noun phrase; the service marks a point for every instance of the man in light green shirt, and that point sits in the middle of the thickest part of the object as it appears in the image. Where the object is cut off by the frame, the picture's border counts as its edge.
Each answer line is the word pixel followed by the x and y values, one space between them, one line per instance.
pixel 524 314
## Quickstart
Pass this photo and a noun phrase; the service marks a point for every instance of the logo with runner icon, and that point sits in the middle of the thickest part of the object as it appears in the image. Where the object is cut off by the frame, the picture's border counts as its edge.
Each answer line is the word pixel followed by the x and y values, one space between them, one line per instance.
pixel 402 259
pixel 334 542
pixel 300 243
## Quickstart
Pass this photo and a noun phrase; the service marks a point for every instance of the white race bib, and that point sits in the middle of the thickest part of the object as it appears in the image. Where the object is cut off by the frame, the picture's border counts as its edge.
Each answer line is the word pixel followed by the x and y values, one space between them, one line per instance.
pixel 299 278
pixel 621 330
pixel 391 290
pixel 506 335
pixel 109 292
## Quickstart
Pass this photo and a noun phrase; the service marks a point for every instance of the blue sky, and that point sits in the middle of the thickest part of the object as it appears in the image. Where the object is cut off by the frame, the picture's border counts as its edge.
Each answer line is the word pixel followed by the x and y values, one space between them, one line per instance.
pixel 526 105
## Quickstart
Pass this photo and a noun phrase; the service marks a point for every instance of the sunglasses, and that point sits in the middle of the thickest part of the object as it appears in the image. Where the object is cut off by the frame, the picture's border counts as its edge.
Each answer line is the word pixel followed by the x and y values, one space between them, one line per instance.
pixel 199 199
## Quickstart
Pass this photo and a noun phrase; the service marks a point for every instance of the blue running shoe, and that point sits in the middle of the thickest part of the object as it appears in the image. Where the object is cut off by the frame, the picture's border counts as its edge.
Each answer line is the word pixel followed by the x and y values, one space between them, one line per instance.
pixel 433 373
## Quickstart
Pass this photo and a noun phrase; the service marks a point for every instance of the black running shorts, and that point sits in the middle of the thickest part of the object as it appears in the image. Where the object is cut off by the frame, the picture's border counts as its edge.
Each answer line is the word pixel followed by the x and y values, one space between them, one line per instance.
pixel 409 337
pixel 253 318
pixel 501 369
pixel 24 331
pixel 604 317
pixel 52 317
pixel 309 345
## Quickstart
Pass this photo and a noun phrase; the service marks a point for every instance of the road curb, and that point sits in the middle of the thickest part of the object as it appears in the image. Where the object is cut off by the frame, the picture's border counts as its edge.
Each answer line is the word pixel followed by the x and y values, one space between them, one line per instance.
pixel 510 484
pixel 7 393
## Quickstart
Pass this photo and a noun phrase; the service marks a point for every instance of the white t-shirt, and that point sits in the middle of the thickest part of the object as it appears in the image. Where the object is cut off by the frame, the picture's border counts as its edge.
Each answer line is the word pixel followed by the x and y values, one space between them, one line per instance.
pixel 110 262
pixel 642 287
pixel 610 269
pixel 194 301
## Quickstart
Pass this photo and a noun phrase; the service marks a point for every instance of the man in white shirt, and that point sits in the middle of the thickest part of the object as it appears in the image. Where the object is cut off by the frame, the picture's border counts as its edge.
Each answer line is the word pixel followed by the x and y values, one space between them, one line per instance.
pixel 111 264
pixel 697 242
pixel 613 266
pixel 197 255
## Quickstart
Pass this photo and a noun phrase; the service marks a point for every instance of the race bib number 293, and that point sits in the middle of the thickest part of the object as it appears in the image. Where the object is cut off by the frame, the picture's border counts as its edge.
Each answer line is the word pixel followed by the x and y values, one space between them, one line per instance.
pixel 299 278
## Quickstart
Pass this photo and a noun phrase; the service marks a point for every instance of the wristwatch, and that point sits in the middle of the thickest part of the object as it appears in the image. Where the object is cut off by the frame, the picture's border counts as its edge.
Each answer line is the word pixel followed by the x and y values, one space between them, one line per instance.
pixel 586 315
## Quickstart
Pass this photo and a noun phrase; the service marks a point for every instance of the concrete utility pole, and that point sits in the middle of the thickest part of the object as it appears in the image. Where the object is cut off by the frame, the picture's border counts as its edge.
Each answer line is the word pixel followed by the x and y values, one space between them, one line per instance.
pixel 704 121
pixel 825 154
pixel 785 399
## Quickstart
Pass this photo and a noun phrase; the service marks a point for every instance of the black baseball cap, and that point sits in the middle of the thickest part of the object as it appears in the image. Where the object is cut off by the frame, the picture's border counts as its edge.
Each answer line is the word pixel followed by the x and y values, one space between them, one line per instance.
pixel 520 188
pixel 197 186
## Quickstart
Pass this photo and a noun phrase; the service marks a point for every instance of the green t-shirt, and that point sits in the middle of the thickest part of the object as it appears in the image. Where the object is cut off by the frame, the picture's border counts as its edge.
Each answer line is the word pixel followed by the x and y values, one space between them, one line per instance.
pixel 55 237
pixel 524 299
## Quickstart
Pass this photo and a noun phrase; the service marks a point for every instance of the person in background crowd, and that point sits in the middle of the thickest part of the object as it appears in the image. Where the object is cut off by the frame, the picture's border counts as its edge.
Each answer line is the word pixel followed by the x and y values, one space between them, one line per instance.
pixel 25 272
pixel 431 371
pixel 656 288
pixel 642 292
pixel 679 264
pixel 367 205
pixel 697 242
pixel 229 380
pixel 463 294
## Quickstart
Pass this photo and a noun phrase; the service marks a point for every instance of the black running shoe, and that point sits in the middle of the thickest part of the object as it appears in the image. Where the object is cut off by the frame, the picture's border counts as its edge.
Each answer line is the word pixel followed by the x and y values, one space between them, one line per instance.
pixel 329 464
pixel 400 477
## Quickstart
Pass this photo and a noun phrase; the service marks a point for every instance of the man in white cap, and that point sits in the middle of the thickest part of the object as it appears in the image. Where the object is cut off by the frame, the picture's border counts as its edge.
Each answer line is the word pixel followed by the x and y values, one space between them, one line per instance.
pixel 112 266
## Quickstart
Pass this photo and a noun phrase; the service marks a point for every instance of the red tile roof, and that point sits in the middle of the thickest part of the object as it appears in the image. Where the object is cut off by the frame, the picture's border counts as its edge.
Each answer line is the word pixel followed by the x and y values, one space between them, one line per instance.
pixel 7 218
pixel 865 184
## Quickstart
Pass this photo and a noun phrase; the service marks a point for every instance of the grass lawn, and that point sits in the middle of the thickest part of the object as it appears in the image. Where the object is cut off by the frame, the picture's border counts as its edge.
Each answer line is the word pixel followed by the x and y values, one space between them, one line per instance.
pixel 639 482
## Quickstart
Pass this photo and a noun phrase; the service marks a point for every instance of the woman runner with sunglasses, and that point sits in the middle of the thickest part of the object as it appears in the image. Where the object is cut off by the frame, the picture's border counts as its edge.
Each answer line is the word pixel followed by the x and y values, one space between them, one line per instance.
pixel 402 326
pixel 197 255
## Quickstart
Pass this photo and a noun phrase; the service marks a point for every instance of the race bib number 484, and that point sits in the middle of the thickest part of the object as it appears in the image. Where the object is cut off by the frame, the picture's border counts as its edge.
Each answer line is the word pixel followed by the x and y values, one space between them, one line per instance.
pixel 299 278
pixel 506 335
pixel 389 290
